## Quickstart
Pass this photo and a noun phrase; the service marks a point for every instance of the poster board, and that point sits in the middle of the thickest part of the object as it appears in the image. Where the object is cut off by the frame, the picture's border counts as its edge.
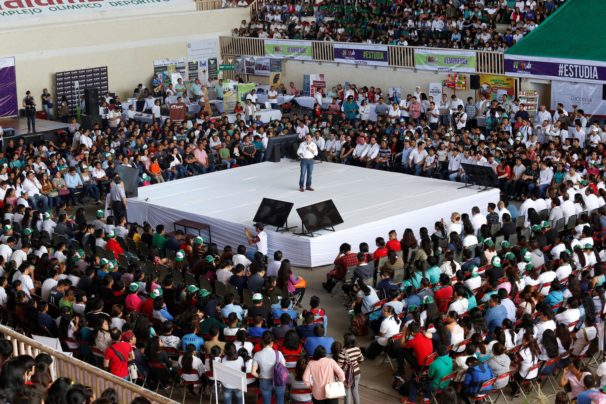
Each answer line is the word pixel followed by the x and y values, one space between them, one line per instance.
pixel 233 377
pixel 9 105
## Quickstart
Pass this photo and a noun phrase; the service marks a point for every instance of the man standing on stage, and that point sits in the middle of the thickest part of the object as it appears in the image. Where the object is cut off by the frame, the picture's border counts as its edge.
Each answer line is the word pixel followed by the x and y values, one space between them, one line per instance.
pixel 307 151
pixel 29 104
pixel 118 198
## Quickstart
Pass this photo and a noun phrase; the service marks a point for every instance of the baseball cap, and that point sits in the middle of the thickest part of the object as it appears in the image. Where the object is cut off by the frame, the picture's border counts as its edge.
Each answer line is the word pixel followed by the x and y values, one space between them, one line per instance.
pixel 103 262
pixel 156 293
pixel 111 234
pixel 209 258
pixel 257 297
pixel 496 262
pixel 527 256
pixel 127 336
pixel 474 272
pixel 510 256
pixel 428 300
pixel 27 231
pixel 133 287
pixel 100 213
pixel 198 240
pixel 46 216
pixel 180 256
pixel 203 293
pixel 192 289
pixel 489 243
pixel 505 244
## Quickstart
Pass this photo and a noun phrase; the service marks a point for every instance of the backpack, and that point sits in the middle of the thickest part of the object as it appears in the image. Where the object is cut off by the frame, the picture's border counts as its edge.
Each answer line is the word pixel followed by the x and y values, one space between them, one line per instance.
pixel 348 369
pixel 359 325
pixel 280 373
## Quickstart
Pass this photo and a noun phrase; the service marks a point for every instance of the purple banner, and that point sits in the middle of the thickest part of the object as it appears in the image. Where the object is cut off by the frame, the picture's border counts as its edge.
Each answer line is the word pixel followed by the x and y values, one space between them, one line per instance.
pixel 8 88
pixel 556 69
pixel 374 55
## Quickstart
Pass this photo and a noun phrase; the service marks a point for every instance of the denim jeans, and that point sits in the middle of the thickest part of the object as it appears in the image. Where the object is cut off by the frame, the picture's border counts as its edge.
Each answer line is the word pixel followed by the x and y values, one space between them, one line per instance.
pixel 267 387
pixel 352 396
pixel 228 394
pixel 307 168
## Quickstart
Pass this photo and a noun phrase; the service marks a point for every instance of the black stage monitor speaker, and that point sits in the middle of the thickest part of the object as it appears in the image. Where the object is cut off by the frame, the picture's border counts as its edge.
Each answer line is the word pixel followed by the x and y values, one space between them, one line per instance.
pixel 91 101
pixel 88 121
pixel 474 81
pixel 130 177
pixel 321 215
pixel 281 146
pixel 604 91
pixel 273 212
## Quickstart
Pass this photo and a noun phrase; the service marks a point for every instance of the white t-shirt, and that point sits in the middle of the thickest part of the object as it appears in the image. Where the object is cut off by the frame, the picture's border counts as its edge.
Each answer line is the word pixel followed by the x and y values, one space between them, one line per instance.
pixel 236 365
pixel 261 243
pixel 389 328
pixel 46 287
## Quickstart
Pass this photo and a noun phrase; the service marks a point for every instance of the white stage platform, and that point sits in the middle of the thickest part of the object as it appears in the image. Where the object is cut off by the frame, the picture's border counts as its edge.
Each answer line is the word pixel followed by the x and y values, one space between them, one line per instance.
pixel 371 202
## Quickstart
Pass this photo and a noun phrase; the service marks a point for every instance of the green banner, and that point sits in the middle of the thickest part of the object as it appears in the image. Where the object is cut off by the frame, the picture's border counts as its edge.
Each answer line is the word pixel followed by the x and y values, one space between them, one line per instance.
pixel 227 67
pixel 443 60
pixel 279 49
pixel 244 89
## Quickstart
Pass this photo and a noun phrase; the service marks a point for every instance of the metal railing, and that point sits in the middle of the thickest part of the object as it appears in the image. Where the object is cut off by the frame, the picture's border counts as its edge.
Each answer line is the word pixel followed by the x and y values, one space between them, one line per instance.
pixel 398 56
pixel 81 372
pixel 205 5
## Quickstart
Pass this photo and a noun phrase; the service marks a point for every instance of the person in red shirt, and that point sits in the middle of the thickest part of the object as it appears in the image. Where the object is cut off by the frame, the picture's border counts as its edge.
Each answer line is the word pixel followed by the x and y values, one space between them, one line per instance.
pixel 113 246
pixel 393 244
pixel 443 295
pixel 147 307
pixel 416 350
pixel 344 260
pixel 381 250
pixel 119 353
pixel 133 301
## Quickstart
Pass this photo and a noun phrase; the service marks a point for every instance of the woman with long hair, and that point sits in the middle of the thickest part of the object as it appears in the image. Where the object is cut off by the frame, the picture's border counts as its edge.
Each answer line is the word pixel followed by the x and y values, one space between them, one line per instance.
pixel 234 361
pixel 351 355
pixel 291 348
pixel 529 355
pixel 321 371
pixel 408 243
pixel 192 367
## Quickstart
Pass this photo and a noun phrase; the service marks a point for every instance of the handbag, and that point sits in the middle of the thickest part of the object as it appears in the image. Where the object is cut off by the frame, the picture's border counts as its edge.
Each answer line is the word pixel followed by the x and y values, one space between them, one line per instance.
pixel 63 191
pixel 334 390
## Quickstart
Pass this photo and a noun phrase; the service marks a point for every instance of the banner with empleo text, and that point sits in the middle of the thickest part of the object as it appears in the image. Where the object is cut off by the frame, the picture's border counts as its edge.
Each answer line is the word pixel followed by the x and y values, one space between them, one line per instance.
pixel 28 11
pixel 443 60
pixel 283 49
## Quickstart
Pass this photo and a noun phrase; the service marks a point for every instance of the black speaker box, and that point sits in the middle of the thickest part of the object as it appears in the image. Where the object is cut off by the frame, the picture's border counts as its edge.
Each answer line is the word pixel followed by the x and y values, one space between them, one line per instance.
pixel 474 81
pixel 91 101
pixel 88 121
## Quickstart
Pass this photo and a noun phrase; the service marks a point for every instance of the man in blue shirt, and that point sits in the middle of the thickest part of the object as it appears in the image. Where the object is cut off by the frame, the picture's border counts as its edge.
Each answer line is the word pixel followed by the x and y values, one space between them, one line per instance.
pixel 230 307
pixel 193 338
pixel 284 304
pixel 306 330
pixel 495 314
pixel 318 339
pixel 74 184
pixel 590 393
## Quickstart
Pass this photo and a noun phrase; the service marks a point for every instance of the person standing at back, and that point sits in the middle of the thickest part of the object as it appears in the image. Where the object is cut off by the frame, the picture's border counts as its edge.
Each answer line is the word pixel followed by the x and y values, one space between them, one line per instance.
pixel 118 198
pixel 320 372
pixel 29 104
pixel 263 369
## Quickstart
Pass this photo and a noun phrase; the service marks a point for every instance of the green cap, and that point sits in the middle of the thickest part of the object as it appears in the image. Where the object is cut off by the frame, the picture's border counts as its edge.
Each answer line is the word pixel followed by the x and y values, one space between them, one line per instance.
pixel 527 256
pixel 529 267
pixel 100 213
pixel 428 300
pixel 111 265
pixel 505 244
pixel 155 293
pixel 510 256
pixel 111 234
pixel 7 227
pixel 474 272
pixel 203 293
pixel 412 307
pixel 577 247
pixel 192 289
pixel 209 258
pixel 198 240
pixel 27 231
pixel 133 287
pixel 103 262
pixel 567 251
pixel 536 227
pixel 489 243
pixel 180 256
pixel 496 262
pixel 46 216
pixel 546 224
pixel 588 246
pixel 584 183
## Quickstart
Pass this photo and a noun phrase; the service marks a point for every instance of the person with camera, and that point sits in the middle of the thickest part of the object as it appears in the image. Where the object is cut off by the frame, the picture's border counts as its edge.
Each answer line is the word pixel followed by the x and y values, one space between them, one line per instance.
pixel 29 104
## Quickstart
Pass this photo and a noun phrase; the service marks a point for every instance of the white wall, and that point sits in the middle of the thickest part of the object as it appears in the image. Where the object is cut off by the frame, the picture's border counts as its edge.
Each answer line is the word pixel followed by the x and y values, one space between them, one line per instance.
pixel 406 79
pixel 128 46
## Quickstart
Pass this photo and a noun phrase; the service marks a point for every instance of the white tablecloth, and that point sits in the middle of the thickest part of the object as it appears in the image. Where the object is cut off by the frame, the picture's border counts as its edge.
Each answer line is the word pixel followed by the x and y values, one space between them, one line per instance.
pixel 266 115
pixel 308 102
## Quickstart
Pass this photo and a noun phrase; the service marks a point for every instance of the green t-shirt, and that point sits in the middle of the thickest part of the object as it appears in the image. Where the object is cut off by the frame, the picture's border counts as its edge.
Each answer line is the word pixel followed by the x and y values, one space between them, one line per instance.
pixel 159 241
pixel 210 322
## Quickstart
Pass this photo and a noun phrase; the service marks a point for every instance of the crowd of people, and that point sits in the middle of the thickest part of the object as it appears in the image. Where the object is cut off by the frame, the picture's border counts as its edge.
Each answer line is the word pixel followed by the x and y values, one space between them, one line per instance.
pixel 453 24
pixel 25 379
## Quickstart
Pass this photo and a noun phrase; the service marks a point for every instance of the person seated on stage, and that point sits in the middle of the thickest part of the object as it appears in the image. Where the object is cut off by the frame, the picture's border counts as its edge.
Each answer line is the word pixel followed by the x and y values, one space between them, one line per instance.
pixel 345 259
